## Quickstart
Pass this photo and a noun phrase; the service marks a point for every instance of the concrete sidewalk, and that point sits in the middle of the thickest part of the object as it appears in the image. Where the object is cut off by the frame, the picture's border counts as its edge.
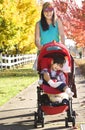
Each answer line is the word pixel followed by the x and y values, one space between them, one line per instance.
pixel 18 113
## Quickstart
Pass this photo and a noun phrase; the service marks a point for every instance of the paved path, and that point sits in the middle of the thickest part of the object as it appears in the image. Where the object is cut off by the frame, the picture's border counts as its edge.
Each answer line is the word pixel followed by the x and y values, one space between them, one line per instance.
pixel 18 113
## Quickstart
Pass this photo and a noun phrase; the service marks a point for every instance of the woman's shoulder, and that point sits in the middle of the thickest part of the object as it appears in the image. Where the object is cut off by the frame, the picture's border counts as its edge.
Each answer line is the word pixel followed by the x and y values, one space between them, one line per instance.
pixel 38 23
pixel 58 20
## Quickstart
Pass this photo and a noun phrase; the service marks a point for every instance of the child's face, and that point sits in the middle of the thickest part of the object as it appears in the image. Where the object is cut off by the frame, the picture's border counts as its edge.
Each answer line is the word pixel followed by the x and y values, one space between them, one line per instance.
pixel 56 66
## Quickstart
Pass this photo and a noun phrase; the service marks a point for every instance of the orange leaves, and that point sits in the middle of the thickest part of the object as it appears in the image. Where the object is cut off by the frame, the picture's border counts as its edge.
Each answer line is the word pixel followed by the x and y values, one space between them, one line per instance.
pixel 73 18
pixel 62 6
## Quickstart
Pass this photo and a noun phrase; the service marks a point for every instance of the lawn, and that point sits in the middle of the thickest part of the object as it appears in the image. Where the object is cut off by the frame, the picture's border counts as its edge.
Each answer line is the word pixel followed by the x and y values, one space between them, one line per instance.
pixel 12 81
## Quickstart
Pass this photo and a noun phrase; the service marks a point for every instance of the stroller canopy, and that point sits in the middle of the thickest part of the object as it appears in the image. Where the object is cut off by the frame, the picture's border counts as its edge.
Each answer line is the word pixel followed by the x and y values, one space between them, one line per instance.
pixel 51 50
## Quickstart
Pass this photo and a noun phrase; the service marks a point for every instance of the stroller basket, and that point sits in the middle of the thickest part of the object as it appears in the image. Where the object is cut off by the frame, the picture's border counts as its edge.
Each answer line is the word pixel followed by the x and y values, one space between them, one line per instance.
pixel 51 110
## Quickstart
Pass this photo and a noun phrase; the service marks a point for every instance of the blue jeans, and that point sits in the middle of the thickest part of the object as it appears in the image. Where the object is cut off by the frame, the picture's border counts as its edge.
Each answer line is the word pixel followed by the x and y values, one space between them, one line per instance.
pixel 61 87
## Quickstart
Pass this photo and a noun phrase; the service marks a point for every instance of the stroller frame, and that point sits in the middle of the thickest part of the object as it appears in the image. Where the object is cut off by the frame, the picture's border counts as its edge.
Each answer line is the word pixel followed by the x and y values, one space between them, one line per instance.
pixel 39 115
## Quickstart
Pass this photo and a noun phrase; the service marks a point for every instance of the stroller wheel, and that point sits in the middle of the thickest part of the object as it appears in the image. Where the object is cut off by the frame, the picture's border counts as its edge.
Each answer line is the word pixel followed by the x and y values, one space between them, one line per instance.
pixel 73 121
pixel 35 120
pixel 42 122
pixel 38 119
pixel 66 122
pixel 41 118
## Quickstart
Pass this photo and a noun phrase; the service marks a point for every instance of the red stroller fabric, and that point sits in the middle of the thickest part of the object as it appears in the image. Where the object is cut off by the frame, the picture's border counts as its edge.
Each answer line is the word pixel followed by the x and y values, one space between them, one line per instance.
pixel 50 50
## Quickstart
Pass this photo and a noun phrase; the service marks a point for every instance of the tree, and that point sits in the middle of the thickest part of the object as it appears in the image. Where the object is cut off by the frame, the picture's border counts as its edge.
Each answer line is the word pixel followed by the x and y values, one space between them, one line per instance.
pixel 17 25
pixel 73 18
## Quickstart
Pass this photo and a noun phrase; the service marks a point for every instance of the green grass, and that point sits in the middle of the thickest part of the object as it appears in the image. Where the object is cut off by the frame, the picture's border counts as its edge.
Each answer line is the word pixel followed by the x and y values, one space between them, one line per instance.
pixel 14 81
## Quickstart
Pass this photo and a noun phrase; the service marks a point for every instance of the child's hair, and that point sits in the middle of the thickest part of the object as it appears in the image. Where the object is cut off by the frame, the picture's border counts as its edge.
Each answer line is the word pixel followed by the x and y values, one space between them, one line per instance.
pixel 59 60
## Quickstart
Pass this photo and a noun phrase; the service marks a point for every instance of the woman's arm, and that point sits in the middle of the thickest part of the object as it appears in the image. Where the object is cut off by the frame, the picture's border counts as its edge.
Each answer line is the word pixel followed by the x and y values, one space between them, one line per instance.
pixel 61 31
pixel 37 36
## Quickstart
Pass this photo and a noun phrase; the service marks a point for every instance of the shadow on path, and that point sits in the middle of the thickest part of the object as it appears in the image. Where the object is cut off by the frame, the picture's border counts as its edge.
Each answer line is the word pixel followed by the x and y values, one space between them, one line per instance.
pixel 22 117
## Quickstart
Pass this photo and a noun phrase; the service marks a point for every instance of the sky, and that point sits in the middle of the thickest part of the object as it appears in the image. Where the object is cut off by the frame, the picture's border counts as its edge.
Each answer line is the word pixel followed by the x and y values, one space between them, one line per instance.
pixel 79 2
pixel 69 42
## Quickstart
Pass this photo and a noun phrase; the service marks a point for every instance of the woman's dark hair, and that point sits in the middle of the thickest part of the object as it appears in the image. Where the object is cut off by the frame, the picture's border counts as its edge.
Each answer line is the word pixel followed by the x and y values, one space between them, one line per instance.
pixel 59 59
pixel 43 21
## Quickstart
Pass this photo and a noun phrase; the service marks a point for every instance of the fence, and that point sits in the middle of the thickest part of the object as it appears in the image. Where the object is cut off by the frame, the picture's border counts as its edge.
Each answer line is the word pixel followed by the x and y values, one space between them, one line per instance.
pixel 8 61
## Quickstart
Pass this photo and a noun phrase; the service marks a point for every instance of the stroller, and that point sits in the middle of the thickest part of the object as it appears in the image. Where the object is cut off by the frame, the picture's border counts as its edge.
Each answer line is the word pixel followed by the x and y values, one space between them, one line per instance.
pixel 44 106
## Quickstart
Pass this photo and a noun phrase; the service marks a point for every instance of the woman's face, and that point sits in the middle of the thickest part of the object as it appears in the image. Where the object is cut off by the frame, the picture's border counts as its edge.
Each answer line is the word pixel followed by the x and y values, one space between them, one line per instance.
pixel 48 13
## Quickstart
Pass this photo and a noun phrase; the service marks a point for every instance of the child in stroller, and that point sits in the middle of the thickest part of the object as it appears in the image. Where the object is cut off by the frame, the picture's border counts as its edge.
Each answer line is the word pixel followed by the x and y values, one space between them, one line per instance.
pixel 50 63
pixel 55 77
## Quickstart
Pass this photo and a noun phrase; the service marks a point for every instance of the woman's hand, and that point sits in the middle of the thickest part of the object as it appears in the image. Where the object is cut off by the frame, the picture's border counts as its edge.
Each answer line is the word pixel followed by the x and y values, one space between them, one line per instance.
pixel 40 47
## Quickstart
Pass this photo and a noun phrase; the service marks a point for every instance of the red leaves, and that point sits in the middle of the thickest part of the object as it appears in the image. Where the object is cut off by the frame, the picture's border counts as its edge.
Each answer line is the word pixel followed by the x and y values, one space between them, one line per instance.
pixel 62 7
pixel 73 18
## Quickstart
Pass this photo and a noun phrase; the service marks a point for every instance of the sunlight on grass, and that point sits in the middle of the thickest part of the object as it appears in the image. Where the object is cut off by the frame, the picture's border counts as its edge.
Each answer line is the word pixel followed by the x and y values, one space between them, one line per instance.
pixel 14 81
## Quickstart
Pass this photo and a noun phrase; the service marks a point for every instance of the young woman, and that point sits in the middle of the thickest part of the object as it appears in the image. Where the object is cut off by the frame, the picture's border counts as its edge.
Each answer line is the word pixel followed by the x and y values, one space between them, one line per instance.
pixel 49 28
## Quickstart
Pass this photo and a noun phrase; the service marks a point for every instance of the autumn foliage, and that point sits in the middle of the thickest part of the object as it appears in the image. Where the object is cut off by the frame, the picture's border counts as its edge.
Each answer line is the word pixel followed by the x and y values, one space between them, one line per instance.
pixel 73 18
pixel 18 18
pixel 17 25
